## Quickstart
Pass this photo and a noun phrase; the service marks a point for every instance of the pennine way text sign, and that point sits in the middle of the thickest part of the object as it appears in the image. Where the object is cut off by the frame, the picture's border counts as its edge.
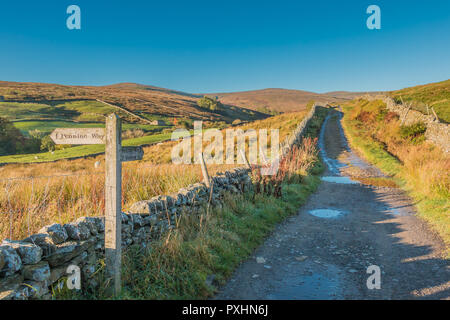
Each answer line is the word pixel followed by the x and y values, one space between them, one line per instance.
pixel 115 154
pixel 78 136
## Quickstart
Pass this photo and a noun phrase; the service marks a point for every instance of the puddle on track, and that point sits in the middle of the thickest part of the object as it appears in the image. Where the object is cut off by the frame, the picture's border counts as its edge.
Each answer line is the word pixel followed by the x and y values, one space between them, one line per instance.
pixel 316 286
pixel 326 213
pixel 342 180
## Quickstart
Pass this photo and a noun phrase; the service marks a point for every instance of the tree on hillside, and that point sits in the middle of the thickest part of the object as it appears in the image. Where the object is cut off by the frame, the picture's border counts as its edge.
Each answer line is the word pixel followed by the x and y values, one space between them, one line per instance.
pixel 185 123
pixel 11 139
pixel 36 134
pixel 209 103
pixel 47 144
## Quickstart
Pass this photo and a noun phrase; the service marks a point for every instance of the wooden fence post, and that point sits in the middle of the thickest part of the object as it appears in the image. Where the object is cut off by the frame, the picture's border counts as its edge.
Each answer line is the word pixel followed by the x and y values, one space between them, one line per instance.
pixel 406 114
pixel 263 156
pixel 113 203
pixel 204 170
pixel 435 115
pixel 244 156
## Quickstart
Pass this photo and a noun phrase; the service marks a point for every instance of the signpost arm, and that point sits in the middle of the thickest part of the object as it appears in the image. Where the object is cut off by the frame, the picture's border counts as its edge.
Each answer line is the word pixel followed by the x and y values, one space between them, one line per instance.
pixel 113 197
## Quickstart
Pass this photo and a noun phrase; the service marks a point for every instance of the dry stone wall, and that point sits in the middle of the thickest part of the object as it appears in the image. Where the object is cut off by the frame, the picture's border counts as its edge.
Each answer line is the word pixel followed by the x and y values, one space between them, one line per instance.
pixel 28 268
pixel 437 132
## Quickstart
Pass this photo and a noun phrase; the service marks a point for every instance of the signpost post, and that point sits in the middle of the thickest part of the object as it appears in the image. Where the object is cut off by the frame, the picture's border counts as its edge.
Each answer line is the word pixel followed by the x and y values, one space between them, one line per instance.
pixel 115 154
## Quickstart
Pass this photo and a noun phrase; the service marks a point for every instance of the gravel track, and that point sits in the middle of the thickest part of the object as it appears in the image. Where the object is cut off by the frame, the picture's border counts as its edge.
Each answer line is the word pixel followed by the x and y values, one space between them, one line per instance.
pixel 310 257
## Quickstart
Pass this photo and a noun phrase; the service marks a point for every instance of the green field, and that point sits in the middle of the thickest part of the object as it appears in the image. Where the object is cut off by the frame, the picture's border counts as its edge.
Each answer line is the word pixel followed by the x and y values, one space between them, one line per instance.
pixel 436 95
pixel 80 151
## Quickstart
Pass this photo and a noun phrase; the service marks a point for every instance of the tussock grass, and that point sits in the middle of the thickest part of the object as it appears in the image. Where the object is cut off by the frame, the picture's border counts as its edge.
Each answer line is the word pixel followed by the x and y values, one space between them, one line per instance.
pixel 419 167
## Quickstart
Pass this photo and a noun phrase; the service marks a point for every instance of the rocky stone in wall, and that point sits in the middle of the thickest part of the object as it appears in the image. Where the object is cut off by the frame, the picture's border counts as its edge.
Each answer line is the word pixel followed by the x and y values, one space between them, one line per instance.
pixel 29 253
pixel 11 261
pixel 31 289
pixel 56 273
pixel 78 230
pixel 68 250
pixel 9 286
pixel 37 272
pixel 44 241
pixel 57 233
pixel 87 223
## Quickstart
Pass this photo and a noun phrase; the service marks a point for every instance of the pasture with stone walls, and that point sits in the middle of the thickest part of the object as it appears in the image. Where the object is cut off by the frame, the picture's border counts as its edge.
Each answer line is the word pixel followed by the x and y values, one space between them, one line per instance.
pixel 30 267
pixel 437 132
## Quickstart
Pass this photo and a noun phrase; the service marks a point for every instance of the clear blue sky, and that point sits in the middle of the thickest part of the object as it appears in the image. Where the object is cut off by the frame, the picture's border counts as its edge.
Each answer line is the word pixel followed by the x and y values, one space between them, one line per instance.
pixel 218 46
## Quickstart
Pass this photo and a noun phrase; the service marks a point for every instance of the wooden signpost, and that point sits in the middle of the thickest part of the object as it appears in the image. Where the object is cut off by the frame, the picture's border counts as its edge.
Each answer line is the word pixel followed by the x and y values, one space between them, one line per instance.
pixel 115 154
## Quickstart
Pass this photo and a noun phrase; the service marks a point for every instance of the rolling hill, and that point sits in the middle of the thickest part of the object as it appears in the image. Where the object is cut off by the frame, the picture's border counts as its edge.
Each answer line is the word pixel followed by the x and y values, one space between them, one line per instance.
pixel 279 100
pixel 146 101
